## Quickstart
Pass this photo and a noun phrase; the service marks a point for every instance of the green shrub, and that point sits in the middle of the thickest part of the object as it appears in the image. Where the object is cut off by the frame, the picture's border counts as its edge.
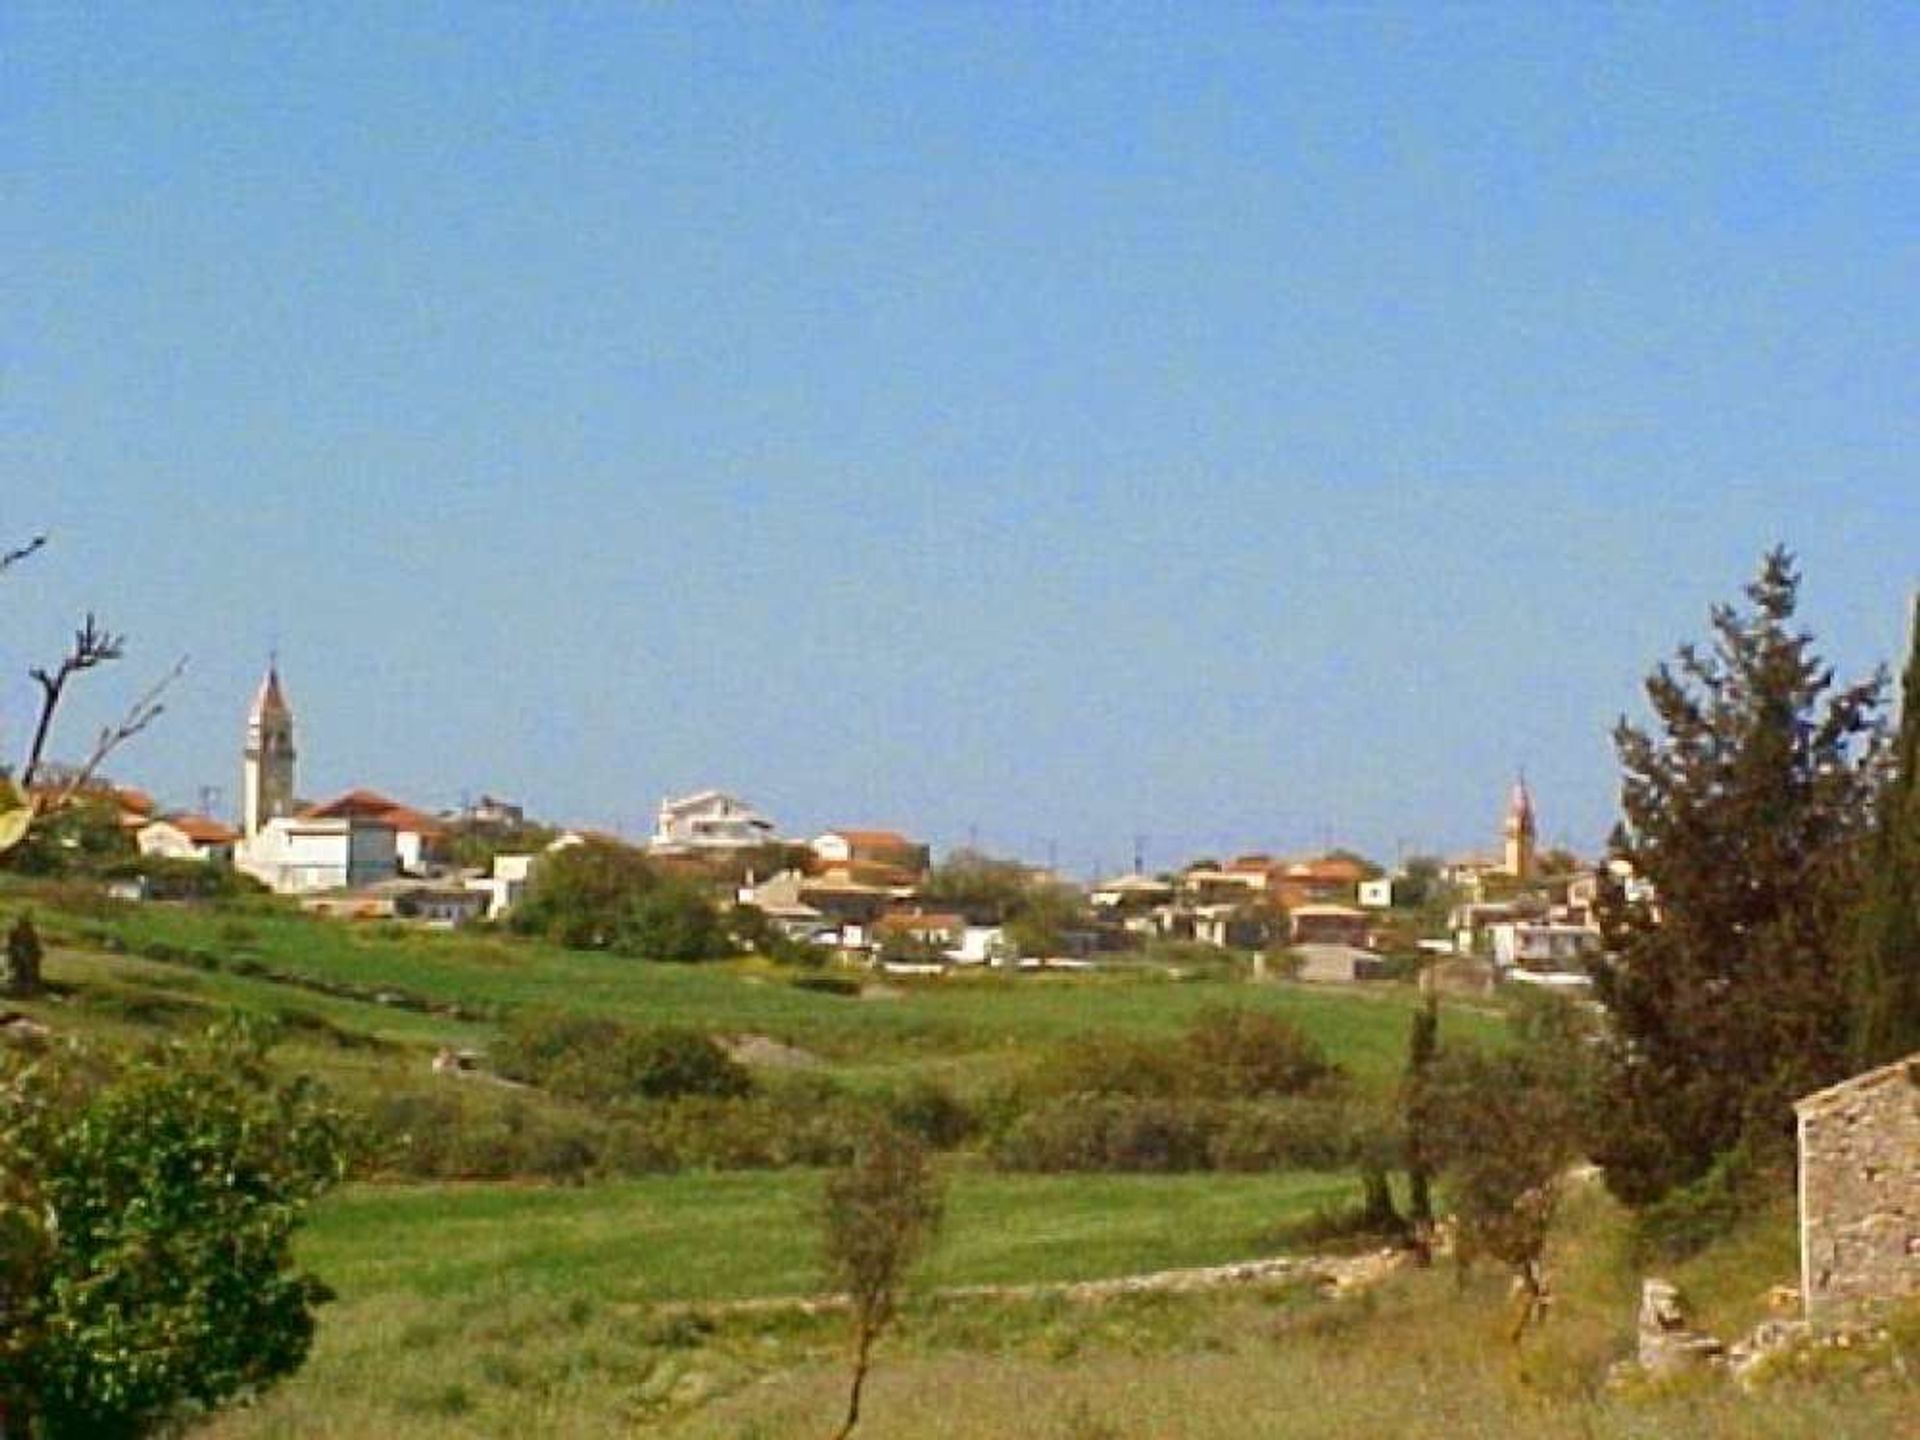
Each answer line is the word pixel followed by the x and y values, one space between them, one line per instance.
pixel 1691 1217
pixel 1109 1132
pixel 601 1061
pixel 1108 1064
pixel 1232 1054
pixel 928 1110
pixel 146 1224
pixel 1296 1134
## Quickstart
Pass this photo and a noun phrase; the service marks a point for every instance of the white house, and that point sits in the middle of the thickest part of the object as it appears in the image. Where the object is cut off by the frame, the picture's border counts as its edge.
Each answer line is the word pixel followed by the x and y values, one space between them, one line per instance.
pixel 1543 948
pixel 417 837
pixel 710 820
pixel 504 887
pixel 1377 894
pixel 295 856
pixel 188 837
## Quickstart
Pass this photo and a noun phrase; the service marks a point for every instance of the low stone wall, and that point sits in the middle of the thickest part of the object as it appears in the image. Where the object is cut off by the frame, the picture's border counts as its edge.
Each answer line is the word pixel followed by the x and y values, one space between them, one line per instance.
pixel 1860 1191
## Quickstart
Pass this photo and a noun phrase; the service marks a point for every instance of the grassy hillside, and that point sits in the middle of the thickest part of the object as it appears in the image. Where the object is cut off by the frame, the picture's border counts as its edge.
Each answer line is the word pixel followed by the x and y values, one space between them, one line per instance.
pixel 448 988
pixel 606 1309
pixel 503 1313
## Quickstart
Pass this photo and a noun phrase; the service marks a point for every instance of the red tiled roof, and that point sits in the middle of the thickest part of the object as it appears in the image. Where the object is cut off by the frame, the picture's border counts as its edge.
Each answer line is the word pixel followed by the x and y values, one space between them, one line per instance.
pixel 202 830
pixel 372 805
pixel 887 839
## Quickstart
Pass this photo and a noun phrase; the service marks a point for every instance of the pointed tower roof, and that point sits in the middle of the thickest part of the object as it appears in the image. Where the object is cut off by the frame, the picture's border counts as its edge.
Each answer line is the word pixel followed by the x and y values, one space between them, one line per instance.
pixel 1520 804
pixel 269 699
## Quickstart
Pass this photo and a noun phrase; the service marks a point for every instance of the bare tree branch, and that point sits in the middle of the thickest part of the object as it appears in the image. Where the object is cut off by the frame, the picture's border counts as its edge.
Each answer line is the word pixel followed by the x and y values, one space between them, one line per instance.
pixel 92 645
pixel 142 713
pixel 10 558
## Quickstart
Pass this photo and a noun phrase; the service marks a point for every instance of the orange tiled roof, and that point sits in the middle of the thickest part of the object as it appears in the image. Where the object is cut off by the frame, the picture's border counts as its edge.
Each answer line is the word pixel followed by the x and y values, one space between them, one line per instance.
pixel 372 805
pixel 891 839
pixel 202 829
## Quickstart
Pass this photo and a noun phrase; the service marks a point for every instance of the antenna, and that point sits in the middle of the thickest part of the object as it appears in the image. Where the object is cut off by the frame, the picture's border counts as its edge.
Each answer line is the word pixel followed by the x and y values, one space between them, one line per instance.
pixel 1139 854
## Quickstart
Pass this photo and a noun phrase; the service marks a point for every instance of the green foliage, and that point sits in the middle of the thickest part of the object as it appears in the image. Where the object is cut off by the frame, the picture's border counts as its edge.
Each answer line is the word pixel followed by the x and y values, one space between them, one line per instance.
pixel 147 1218
pixel 1423 1048
pixel 82 837
pixel 604 896
pixel 674 923
pixel 1688 1218
pixel 601 1060
pixel 181 879
pixel 1886 945
pixel 1231 1053
pixel 982 888
pixel 1040 918
pixel 1743 811
pixel 1502 1128
pixel 931 1112
pixel 20 976
pixel 473 845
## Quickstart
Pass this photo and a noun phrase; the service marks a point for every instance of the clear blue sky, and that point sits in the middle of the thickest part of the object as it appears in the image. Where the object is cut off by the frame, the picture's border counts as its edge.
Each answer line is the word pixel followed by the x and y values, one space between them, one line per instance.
pixel 1234 425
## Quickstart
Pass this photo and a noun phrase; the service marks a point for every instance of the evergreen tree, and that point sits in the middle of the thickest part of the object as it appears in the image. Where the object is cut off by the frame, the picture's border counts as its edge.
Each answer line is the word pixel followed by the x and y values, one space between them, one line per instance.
pixel 1423 1045
pixel 1887 958
pixel 1725 979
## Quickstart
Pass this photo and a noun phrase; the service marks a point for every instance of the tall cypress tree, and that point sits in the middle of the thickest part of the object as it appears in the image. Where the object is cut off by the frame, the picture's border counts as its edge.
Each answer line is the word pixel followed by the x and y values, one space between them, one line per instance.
pixel 1726 982
pixel 1887 958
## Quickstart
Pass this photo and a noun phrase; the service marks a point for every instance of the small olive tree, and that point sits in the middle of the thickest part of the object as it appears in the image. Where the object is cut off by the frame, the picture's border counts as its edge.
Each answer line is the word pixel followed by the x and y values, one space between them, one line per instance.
pixel 882 1210
pixel 1503 1128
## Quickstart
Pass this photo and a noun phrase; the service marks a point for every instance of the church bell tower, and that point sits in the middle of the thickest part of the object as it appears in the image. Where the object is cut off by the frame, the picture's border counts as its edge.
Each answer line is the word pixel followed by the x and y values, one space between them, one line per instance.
pixel 266 781
pixel 1520 832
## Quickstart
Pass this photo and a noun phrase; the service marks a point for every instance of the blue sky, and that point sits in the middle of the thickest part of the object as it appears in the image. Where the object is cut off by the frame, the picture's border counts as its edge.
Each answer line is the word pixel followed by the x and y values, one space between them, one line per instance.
pixel 1241 426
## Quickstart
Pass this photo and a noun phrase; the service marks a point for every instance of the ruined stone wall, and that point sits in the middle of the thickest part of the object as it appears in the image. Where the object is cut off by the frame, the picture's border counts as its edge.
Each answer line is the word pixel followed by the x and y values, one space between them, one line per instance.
pixel 1860 1191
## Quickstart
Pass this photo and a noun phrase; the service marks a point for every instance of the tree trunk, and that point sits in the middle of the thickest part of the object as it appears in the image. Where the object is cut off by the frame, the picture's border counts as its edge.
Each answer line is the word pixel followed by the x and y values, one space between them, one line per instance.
pixel 1378 1204
pixel 862 1351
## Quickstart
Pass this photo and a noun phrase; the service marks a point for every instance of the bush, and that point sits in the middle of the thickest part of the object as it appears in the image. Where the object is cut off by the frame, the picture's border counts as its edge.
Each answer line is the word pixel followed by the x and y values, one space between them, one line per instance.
pixel 673 923
pixel 146 1221
pixel 1686 1220
pixel 933 1113
pixel 1106 1064
pixel 1233 1054
pixel 1297 1134
pixel 1109 1132
pixel 602 1061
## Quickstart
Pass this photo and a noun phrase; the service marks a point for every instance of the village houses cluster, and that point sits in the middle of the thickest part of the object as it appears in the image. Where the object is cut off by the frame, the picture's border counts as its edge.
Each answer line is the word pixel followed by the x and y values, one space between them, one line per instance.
pixel 862 892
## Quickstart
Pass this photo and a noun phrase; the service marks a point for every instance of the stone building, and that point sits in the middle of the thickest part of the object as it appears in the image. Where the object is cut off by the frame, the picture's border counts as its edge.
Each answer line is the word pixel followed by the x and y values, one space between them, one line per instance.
pixel 1860 1190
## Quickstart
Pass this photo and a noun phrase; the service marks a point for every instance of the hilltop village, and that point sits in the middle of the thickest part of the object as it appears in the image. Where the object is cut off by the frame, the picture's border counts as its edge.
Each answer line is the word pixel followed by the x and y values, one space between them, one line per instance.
pixel 872 897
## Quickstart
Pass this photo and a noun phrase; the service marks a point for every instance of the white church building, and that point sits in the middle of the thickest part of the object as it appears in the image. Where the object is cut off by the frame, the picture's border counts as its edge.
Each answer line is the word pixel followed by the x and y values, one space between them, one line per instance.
pixel 285 851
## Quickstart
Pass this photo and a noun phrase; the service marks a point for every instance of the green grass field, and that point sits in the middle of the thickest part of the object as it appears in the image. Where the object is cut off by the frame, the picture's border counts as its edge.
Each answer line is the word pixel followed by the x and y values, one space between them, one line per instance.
pixel 730 1236
pixel 518 1309
pixel 514 1312
pixel 967 1030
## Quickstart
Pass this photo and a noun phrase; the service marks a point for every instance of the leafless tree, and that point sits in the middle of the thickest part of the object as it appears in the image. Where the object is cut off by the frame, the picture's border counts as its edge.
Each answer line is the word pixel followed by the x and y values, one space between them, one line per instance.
pixel 881 1212
pixel 93 645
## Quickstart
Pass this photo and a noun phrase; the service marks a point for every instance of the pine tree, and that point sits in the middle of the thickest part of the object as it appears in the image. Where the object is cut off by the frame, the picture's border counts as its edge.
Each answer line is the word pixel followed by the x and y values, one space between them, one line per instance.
pixel 1886 999
pixel 1725 979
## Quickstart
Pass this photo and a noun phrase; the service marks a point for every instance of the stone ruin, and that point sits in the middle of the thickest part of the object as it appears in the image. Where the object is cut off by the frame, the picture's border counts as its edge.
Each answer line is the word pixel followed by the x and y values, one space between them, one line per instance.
pixel 1860 1192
